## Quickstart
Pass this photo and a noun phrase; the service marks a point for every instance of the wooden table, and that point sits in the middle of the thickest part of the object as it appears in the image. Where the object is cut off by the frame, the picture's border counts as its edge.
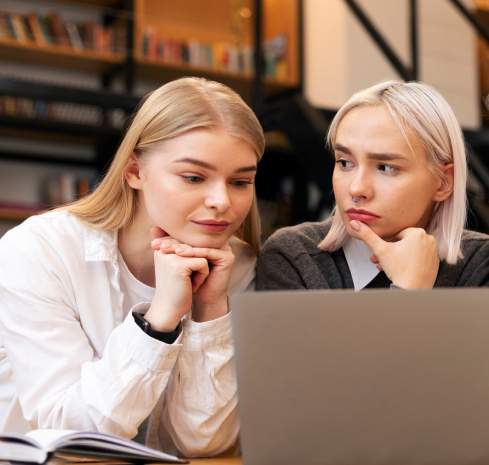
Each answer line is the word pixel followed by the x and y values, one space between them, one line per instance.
pixel 229 460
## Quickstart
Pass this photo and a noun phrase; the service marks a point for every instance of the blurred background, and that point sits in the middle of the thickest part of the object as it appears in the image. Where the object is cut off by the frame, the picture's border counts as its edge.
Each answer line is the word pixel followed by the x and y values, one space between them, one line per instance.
pixel 71 72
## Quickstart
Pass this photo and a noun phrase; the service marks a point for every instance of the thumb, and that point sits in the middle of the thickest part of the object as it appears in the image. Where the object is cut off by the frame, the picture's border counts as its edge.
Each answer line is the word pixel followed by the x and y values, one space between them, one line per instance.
pixel 364 233
pixel 158 234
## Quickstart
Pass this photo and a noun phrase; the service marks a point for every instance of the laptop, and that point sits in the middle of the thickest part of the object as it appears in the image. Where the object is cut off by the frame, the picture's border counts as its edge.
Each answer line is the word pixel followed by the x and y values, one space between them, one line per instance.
pixel 357 378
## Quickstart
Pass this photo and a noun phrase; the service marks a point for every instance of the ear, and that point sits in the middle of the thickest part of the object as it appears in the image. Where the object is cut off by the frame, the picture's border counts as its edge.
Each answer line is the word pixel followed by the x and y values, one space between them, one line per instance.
pixel 131 172
pixel 445 187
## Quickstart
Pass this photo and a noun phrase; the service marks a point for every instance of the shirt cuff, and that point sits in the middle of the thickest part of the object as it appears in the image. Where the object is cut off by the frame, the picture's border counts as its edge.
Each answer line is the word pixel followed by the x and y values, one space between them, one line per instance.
pixel 199 336
pixel 147 351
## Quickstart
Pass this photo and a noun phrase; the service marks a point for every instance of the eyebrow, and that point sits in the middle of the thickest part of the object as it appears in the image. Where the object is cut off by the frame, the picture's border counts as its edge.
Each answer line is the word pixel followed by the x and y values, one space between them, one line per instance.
pixel 372 155
pixel 210 166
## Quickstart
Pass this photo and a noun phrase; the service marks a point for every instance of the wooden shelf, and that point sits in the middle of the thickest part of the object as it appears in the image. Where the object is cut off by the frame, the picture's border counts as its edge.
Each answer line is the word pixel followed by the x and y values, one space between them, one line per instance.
pixel 146 68
pixel 59 56
pixel 84 4
pixel 57 130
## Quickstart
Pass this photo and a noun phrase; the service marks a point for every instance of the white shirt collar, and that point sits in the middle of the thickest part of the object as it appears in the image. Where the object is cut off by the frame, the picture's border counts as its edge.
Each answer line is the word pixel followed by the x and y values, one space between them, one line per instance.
pixel 358 255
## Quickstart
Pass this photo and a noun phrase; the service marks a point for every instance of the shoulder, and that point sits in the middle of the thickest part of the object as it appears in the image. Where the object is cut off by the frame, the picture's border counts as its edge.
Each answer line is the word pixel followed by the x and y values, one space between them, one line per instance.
pixel 302 238
pixel 43 246
pixel 58 233
pixel 473 242
pixel 473 269
pixel 242 251
pixel 49 226
pixel 243 274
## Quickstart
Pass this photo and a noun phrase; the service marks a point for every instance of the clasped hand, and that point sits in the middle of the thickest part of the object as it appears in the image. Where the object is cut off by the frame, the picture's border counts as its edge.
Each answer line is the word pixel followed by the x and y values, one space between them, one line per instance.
pixel 410 260
pixel 188 277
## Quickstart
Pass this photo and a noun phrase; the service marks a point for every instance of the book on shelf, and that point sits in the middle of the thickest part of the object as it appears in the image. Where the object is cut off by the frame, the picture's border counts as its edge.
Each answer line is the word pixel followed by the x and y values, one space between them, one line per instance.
pixel 35 28
pixel 57 29
pixel 4 27
pixel 19 27
pixel 275 54
pixel 74 35
pixel 38 446
pixel 10 26
pixel 44 29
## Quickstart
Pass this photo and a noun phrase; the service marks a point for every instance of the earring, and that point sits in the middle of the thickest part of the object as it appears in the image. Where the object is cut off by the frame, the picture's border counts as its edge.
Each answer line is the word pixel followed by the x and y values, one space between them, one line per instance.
pixel 358 200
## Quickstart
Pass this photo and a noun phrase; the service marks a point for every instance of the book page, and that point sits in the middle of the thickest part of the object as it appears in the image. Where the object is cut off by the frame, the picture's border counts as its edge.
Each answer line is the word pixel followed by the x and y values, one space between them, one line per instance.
pixel 47 437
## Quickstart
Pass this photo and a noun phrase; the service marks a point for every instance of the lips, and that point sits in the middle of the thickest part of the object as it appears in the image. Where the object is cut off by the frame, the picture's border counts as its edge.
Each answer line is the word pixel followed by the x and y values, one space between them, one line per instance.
pixel 213 225
pixel 361 215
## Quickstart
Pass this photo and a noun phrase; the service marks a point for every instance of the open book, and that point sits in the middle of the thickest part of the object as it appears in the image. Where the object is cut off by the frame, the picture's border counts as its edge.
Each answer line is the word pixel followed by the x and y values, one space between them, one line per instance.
pixel 40 445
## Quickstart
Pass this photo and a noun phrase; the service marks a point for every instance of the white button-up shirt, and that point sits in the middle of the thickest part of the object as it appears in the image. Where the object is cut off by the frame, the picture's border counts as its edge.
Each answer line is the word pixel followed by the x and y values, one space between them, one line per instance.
pixel 72 357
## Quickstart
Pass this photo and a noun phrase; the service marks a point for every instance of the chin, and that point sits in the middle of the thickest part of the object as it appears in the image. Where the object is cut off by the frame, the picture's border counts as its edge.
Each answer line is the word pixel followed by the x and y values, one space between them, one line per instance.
pixel 212 242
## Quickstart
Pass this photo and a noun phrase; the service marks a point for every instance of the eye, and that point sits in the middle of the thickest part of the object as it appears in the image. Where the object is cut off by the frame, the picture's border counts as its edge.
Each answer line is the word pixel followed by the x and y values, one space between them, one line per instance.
pixel 388 168
pixel 344 163
pixel 241 183
pixel 193 179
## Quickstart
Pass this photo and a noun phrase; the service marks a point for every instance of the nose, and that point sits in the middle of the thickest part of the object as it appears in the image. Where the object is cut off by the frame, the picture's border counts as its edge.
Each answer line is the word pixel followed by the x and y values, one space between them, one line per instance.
pixel 361 185
pixel 217 197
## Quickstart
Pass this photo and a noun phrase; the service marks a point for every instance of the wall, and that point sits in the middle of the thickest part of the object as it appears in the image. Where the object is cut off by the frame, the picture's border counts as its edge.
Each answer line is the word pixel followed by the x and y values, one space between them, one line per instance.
pixel 340 57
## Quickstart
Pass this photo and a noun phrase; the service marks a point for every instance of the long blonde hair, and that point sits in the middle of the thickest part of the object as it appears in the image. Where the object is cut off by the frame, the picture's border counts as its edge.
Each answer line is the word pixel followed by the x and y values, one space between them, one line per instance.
pixel 169 111
pixel 419 109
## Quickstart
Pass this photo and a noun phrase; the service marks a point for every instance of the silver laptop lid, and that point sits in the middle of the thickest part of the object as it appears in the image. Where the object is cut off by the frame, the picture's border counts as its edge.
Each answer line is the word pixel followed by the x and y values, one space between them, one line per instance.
pixel 371 377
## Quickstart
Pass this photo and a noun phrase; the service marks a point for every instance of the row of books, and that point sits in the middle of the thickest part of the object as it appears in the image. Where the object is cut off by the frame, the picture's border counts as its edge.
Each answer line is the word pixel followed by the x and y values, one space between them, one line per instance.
pixel 66 112
pixel 50 29
pixel 64 188
pixel 219 56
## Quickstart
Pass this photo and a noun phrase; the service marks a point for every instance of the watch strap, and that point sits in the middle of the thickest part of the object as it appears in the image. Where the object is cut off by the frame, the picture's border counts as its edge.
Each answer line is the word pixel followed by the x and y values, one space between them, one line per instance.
pixel 168 338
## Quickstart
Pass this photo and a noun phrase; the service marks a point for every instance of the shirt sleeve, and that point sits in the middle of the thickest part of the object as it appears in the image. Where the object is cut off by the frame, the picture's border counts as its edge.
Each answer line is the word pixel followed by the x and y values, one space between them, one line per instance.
pixel 63 380
pixel 200 410
pixel 200 406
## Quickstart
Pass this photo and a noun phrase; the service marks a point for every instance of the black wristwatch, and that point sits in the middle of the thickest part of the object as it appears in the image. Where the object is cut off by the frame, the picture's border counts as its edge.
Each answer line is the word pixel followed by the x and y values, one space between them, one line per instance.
pixel 168 338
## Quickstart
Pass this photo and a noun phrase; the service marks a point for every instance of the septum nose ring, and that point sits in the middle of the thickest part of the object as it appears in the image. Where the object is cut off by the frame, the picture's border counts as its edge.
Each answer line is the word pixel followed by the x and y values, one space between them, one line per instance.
pixel 357 200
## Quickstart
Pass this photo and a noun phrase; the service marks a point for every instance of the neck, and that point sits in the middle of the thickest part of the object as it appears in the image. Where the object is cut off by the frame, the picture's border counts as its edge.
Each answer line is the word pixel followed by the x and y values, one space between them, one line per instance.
pixel 134 245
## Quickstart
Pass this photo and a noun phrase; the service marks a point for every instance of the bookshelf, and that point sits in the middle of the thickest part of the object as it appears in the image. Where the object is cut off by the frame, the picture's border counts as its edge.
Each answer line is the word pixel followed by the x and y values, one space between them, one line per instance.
pixel 217 47
pixel 121 41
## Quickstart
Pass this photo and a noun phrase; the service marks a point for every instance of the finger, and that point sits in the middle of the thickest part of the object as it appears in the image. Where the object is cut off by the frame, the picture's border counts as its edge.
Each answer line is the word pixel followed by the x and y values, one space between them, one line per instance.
pixel 167 244
pixel 374 259
pixel 198 279
pixel 364 233
pixel 203 252
pixel 379 267
pixel 414 232
pixel 199 273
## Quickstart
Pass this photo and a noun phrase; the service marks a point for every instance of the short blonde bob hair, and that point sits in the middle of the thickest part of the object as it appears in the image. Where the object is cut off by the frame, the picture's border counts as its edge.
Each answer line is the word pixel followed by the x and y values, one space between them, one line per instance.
pixel 169 111
pixel 420 110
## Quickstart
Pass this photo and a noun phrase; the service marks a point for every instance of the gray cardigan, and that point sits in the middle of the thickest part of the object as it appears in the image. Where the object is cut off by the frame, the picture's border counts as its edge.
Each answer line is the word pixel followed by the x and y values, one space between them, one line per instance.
pixel 291 259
